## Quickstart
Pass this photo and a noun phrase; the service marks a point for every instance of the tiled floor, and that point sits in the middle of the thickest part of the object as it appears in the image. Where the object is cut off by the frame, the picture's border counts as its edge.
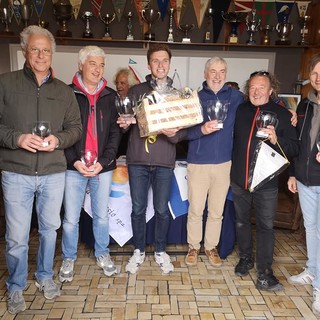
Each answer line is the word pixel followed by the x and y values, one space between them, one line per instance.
pixel 200 292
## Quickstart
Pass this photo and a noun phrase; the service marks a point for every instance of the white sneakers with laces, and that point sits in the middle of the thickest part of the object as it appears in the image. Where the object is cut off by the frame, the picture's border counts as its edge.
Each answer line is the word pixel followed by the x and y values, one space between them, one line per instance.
pixel 135 261
pixel 303 278
pixel 164 261
pixel 316 302
pixel 105 262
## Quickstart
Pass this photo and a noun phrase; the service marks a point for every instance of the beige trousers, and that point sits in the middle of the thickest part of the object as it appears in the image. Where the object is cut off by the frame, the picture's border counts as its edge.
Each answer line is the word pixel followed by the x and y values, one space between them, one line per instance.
pixel 206 181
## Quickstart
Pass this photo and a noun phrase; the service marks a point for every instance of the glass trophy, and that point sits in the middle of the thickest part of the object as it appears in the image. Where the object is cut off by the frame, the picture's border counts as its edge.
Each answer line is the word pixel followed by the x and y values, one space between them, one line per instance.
pixel 217 110
pixel 265 119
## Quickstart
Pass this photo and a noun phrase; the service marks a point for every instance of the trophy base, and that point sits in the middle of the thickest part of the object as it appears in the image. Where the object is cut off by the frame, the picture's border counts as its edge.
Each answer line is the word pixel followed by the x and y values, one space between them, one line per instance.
pixel 149 36
pixel 250 42
pixel 303 43
pixel 261 134
pixel 130 38
pixel 283 42
pixel 87 35
pixel 233 39
pixel 64 33
pixel 186 40
pixel 106 37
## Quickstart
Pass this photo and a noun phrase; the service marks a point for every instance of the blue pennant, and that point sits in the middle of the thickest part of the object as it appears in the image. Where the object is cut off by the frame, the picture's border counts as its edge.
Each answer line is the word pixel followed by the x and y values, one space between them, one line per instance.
pixel 163 6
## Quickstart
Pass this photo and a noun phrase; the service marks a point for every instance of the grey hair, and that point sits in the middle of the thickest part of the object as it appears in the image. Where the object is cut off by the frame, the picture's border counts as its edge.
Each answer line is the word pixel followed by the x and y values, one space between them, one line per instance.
pixel 214 60
pixel 90 51
pixel 132 80
pixel 35 30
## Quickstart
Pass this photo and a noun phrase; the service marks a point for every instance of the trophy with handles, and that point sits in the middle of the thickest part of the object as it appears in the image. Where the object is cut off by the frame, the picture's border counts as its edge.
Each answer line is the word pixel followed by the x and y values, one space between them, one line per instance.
pixel 5 17
pixel 234 19
pixel 150 16
pixel 107 19
pixel 63 12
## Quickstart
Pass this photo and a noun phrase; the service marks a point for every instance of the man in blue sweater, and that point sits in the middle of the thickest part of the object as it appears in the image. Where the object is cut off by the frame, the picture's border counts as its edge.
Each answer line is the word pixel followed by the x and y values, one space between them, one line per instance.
pixel 209 162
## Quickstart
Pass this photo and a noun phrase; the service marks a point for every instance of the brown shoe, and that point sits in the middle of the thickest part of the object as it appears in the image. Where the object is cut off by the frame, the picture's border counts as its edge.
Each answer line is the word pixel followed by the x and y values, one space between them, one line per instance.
pixel 214 257
pixel 192 257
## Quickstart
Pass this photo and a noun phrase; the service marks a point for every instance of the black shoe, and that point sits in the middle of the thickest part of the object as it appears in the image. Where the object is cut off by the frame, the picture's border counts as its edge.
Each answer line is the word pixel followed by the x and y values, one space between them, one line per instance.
pixel 268 282
pixel 243 267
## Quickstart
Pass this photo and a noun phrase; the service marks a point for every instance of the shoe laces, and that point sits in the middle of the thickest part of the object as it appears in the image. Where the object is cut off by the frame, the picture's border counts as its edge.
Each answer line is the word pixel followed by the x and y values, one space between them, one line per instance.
pixel 48 285
pixel 137 257
pixel 192 252
pixel 15 296
pixel 67 264
pixel 163 258
pixel 105 260
pixel 213 252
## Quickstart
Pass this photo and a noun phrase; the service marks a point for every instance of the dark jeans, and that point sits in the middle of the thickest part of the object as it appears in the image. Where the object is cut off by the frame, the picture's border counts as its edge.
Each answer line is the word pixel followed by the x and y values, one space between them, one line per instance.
pixel 141 177
pixel 264 202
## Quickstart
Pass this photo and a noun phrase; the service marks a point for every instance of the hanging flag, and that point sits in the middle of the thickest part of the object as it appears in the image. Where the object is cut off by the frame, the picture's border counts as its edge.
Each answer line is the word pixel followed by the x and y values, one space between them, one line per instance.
pixel 283 9
pixel 76 4
pixel 243 5
pixel 16 9
pixel 136 73
pixel 163 7
pixel 264 10
pixel 180 8
pixel 96 7
pixel 119 6
pixel 218 6
pixel 200 8
pixel 38 5
pixel 141 5
pixel 302 7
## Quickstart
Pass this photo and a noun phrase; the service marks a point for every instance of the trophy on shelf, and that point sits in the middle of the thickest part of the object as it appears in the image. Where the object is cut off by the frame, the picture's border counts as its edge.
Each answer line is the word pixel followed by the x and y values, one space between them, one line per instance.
pixel 26 13
pixel 107 19
pixel 150 16
pixel 87 16
pixel 186 28
pixel 5 16
pixel 266 30
pixel 63 12
pixel 304 23
pixel 234 19
pixel 252 26
pixel 129 17
pixel 284 28
pixel 170 35
pixel 208 35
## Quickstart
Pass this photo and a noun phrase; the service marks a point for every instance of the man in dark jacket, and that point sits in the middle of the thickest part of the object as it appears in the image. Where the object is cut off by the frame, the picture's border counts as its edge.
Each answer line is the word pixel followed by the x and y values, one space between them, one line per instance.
pixel 150 163
pixel 261 88
pixel 306 180
pixel 90 162
pixel 33 167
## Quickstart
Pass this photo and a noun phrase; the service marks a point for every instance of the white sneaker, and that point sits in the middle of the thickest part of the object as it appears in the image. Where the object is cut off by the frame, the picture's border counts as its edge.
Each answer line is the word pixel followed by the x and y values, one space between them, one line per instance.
pixel 164 261
pixel 66 272
pixel 316 302
pixel 135 261
pixel 105 262
pixel 305 277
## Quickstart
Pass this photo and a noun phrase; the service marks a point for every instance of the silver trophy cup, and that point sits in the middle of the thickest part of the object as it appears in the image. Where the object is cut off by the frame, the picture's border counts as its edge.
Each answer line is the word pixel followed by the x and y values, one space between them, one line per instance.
pixel 86 17
pixel 284 29
pixel 150 16
pixel 107 19
pixel 5 17
pixel 26 13
pixel 129 17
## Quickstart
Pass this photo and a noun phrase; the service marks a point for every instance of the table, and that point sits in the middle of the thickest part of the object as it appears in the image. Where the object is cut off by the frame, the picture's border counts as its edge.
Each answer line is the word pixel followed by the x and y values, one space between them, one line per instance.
pixel 120 210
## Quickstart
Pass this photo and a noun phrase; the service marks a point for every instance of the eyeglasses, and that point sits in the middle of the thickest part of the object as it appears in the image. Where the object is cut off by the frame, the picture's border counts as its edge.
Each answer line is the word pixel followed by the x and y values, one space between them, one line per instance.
pixel 37 51
pixel 260 73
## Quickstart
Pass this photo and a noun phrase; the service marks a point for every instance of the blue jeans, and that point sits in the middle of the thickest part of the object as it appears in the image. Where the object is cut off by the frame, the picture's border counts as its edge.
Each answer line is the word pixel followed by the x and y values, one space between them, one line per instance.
pixel 18 193
pixel 74 194
pixel 309 198
pixel 140 179
pixel 264 203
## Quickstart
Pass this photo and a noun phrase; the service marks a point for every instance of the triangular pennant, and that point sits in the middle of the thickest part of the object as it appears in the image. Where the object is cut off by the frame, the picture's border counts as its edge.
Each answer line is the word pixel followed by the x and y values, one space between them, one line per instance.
pixel 200 7
pixel 302 7
pixel 16 6
pixel 264 10
pixel 38 5
pixel 183 8
pixel 163 6
pixel 243 5
pixel 218 6
pixel 265 165
pixel 136 73
pixel 140 5
pixel 119 6
pixel 283 9
pixel 76 4
pixel 96 7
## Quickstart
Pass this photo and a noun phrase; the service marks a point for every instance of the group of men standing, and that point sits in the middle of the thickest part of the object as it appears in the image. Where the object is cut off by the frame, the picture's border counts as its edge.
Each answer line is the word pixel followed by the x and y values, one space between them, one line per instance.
pixel 83 117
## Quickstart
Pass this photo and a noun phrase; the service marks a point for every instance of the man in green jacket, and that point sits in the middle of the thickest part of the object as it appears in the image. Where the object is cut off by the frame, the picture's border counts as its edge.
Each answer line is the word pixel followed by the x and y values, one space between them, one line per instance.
pixel 39 117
